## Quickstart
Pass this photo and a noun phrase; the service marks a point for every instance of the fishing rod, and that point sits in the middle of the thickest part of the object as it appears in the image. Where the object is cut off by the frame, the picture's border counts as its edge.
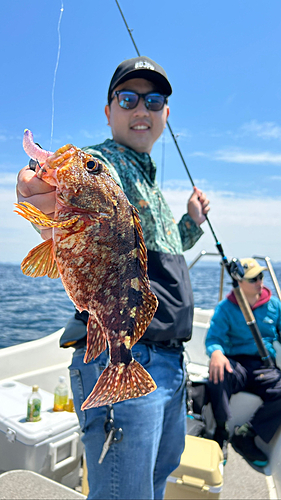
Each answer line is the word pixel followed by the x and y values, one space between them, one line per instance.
pixel 234 268
pixel 218 244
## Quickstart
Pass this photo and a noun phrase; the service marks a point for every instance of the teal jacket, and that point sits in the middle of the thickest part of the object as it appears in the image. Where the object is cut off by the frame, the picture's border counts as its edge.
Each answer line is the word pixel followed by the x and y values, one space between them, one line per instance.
pixel 230 334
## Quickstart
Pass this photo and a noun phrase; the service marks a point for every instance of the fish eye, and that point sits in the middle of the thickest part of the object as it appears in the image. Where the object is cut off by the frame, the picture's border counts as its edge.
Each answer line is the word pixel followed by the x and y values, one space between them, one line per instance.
pixel 94 167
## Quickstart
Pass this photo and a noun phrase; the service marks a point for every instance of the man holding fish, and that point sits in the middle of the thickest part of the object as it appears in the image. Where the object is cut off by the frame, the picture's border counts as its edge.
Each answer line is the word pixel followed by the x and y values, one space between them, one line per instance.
pixel 153 426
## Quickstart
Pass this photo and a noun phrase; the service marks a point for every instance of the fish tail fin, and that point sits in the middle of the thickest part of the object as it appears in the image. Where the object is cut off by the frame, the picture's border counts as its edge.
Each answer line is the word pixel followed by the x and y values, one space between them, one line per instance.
pixel 119 382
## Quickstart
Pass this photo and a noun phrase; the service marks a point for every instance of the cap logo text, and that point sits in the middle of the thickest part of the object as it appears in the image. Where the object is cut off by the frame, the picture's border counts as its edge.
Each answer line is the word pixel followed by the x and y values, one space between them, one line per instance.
pixel 144 65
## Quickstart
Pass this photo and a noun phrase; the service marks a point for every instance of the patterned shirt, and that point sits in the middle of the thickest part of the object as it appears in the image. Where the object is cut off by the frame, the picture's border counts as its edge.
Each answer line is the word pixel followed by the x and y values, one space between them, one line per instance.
pixel 136 175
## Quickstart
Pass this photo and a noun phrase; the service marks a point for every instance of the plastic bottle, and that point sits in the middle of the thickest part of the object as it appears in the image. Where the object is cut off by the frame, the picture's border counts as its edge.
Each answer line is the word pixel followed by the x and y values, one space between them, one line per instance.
pixel 69 406
pixel 34 405
pixel 61 395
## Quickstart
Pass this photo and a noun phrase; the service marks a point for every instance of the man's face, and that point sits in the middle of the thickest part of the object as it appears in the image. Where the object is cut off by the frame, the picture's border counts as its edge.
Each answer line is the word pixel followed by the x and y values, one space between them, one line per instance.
pixel 136 128
pixel 251 289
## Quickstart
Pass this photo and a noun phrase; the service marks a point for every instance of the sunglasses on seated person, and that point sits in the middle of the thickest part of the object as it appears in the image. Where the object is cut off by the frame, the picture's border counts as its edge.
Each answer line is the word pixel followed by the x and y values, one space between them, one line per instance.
pixel 254 280
pixel 127 99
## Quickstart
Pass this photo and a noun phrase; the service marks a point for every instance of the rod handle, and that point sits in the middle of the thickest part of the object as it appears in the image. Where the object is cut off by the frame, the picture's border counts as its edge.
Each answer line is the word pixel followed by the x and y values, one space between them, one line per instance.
pixel 244 305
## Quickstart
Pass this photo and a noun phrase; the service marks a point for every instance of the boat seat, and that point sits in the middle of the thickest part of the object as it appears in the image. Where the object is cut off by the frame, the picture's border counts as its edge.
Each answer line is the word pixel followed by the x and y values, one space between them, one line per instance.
pixel 242 405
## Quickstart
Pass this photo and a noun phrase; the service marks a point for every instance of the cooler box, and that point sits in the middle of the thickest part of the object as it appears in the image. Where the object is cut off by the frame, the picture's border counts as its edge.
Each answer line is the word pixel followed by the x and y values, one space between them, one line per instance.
pixel 200 473
pixel 51 447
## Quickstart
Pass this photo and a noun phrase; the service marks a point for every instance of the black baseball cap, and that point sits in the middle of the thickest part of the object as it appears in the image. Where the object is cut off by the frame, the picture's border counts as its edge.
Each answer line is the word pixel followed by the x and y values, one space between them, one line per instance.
pixel 140 67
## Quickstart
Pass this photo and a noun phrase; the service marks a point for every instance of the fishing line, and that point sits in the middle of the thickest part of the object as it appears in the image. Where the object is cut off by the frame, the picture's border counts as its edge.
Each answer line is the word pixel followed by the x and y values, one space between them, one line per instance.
pixel 55 76
pixel 163 159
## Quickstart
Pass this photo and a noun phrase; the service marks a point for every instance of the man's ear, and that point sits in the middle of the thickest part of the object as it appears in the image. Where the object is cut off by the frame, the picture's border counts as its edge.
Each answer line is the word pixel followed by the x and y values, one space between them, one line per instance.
pixel 107 113
pixel 168 112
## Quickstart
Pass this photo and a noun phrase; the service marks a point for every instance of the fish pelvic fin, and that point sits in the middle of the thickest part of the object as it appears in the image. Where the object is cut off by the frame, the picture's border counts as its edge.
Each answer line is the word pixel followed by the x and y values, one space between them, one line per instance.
pixel 32 214
pixel 40 261
pixel 118 383
pixel 96 339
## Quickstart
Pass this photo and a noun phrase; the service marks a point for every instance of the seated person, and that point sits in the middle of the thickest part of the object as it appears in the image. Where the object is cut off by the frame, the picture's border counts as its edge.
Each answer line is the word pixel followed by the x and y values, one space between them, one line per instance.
pixel 235 364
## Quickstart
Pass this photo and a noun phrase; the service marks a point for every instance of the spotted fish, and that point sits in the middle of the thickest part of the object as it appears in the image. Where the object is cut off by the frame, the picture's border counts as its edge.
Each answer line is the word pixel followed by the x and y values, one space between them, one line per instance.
pixel 97 249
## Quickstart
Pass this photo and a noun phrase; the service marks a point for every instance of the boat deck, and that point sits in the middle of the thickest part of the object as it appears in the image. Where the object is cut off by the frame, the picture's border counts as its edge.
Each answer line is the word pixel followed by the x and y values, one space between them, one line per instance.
pixel 27 485
pixel 242 481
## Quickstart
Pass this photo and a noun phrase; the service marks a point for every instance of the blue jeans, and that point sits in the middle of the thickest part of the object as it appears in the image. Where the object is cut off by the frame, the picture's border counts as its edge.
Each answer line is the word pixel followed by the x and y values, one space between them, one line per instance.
pixel 153 426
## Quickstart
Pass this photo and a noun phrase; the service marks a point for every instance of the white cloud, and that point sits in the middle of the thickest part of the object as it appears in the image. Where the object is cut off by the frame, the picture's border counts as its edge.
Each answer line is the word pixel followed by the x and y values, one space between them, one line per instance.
pixel 235 155
pixel 244 226
pixel 95 136
pixel 7 179
pixel 199 154
pixel 238 156
pixel 265 130
pixel 177 185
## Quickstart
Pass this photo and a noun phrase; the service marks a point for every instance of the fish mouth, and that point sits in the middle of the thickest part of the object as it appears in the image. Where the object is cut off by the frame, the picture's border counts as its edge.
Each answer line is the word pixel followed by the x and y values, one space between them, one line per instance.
pixel 46 160
pixel 56 161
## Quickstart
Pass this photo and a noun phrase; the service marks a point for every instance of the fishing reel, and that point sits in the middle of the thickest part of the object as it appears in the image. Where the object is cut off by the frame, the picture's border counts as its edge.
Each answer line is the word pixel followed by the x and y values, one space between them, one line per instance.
pixel 236 269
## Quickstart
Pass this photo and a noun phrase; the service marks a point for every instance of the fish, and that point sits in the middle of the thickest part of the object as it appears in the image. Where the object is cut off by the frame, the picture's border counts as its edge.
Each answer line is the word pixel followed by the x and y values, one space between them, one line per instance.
pixel 98 251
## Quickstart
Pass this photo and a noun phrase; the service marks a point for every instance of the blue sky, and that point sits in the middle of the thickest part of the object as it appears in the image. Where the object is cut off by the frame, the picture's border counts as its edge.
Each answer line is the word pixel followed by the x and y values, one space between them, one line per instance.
pixel 223 61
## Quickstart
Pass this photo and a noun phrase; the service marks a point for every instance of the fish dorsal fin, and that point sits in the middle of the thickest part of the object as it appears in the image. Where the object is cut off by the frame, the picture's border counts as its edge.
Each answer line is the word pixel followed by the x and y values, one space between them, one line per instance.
pixel 96 338
pixel 145 313
pixel 35 216
pixel 40 261
pixel 142 253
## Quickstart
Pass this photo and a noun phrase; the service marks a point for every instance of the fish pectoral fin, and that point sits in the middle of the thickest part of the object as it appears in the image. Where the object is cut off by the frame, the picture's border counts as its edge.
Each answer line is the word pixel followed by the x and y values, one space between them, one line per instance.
pixel 34 215
pixel 118 383
pixel 96 339
pixel 40 261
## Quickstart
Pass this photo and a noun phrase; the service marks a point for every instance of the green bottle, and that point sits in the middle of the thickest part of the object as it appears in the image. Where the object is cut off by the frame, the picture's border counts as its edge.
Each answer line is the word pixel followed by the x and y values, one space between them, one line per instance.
pixel 34 406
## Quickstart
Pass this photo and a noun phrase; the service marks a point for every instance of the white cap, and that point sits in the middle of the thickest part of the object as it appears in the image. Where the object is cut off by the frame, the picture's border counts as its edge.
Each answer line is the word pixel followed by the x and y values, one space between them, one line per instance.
pixel 61 379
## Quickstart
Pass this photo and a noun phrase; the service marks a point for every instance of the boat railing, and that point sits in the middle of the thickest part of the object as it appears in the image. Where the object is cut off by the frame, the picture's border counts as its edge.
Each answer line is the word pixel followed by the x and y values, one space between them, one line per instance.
pixel 204 253
pixel 266 260
pixel 270 269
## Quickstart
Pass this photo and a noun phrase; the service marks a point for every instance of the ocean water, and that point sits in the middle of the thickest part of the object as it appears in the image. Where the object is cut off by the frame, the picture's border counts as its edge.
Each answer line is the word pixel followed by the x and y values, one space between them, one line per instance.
pixel 32 308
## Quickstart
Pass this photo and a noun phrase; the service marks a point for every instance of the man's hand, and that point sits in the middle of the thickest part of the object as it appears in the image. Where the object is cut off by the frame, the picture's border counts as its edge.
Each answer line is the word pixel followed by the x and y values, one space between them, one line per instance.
pixel 218 363
pixel 38 193
pixel 198 206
